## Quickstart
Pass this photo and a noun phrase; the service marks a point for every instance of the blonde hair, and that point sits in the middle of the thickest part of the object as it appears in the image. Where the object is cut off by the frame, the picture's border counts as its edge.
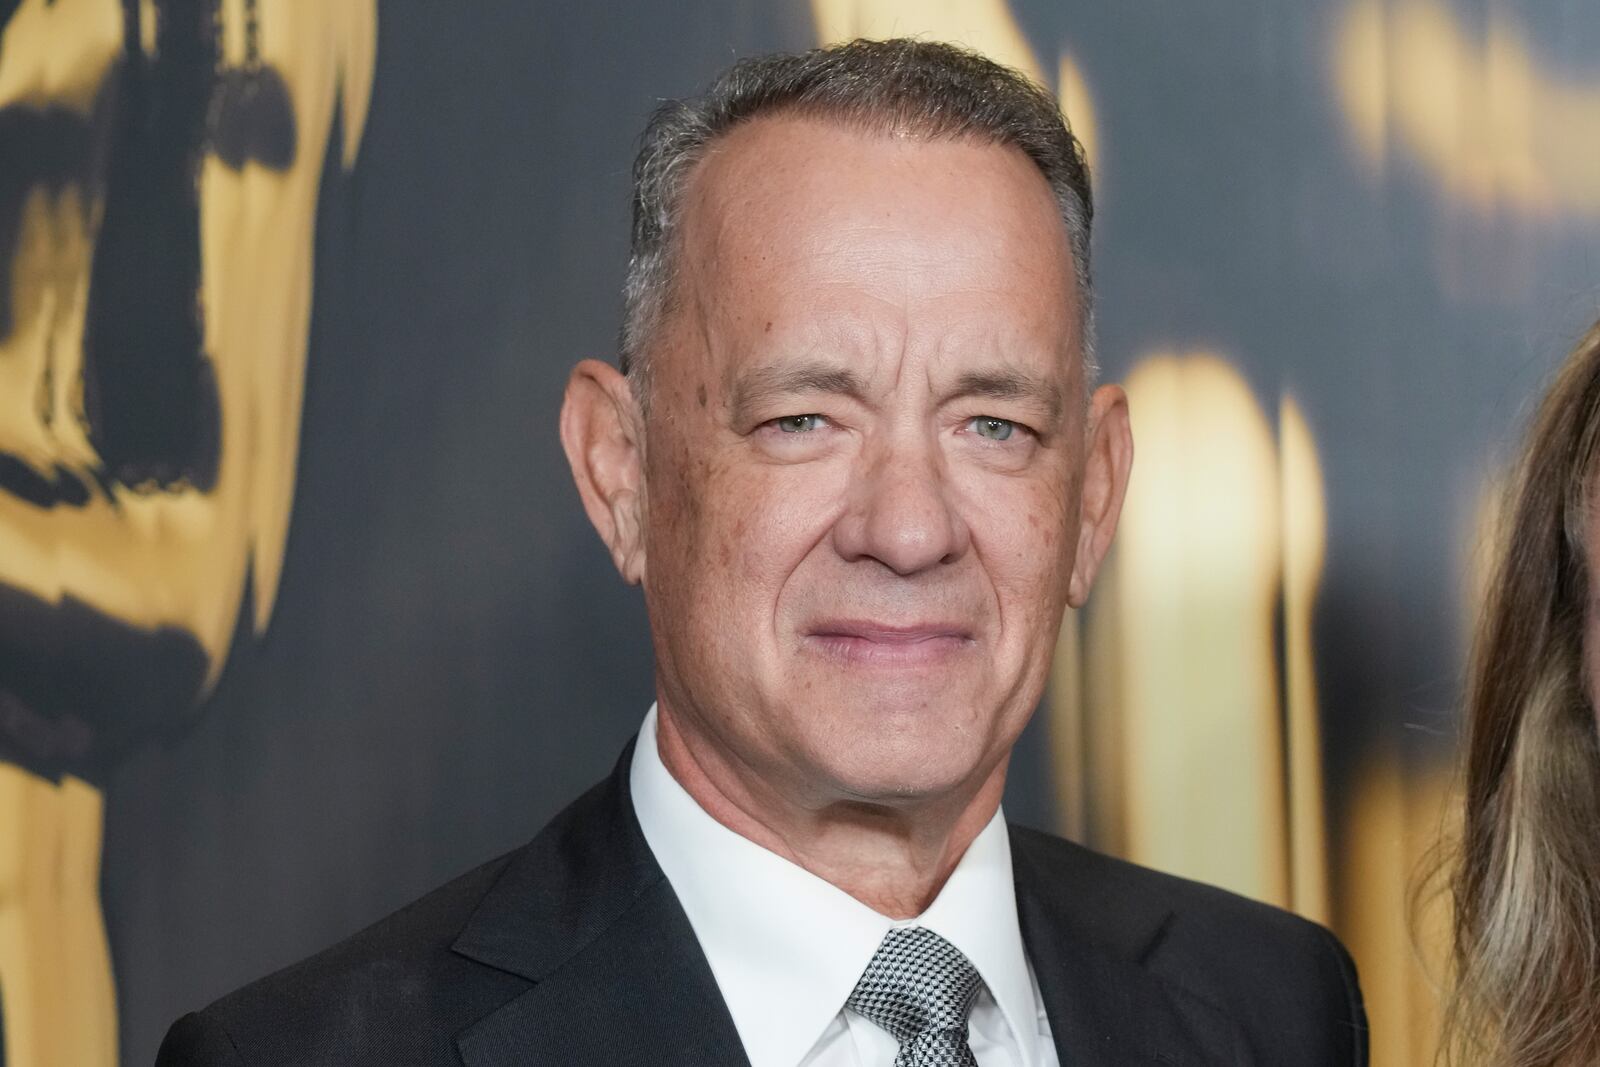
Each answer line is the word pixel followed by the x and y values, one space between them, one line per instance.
pixel 1526 883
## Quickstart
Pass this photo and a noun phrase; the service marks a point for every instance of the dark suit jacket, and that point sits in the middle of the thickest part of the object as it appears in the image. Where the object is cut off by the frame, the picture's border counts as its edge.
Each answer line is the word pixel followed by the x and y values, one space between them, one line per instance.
pixel 574 950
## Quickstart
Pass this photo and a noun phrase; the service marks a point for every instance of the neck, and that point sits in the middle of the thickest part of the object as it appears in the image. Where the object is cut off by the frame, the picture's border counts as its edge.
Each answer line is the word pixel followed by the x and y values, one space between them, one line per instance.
pixel 894 857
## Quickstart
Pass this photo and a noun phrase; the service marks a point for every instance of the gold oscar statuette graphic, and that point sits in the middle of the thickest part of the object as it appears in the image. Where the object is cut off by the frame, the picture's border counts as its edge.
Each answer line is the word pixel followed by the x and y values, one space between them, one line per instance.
pixel 157 216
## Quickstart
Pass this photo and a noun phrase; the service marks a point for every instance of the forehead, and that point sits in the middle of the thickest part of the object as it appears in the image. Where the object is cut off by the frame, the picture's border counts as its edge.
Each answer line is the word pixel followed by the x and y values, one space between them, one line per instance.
pixel 795 217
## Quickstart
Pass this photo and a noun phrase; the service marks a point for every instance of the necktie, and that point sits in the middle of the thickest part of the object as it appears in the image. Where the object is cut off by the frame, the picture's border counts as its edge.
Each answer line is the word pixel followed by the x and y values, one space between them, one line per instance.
pixel 920 988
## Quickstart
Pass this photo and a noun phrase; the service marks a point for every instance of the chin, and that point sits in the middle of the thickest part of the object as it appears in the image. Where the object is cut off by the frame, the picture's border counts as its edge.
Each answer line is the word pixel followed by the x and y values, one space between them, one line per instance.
pixel 903 738
pixel 880 770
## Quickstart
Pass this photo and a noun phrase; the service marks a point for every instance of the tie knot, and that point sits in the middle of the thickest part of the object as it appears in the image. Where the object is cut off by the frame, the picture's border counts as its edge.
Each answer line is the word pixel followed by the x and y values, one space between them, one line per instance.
pixel 916 983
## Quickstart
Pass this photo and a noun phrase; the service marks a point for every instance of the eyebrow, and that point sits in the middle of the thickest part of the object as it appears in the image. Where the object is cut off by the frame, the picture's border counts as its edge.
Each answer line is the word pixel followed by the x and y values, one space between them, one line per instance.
pixel 1011 385
pixel 764 383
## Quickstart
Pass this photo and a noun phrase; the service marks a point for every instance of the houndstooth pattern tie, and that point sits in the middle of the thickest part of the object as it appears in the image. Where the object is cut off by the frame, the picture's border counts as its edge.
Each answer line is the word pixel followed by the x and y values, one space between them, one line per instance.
pixel 920 988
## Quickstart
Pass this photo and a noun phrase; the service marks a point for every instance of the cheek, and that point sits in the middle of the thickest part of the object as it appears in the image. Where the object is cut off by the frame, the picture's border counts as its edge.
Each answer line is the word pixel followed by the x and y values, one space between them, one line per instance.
pixel 1023 533
pixel 732 531
pixel 672 480
pixel 778 516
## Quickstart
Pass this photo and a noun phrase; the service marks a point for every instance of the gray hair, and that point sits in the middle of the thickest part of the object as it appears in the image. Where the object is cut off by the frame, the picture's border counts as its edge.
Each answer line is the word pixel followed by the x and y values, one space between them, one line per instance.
pixel 908 87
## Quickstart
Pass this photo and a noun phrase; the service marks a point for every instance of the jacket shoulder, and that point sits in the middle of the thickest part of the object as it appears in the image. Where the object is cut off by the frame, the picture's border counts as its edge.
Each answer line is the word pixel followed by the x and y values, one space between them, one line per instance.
pixel 393 993
pixel 1286 981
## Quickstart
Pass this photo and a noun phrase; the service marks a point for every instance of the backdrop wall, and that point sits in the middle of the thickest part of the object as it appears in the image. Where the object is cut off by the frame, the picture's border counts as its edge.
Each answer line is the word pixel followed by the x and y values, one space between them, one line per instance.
pixel 299 614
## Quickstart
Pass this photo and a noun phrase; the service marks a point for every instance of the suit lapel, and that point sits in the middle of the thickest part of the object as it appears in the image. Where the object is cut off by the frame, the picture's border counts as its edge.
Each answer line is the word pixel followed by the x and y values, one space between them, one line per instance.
pixel 639 994
pixel 585 913
pixel 1086 944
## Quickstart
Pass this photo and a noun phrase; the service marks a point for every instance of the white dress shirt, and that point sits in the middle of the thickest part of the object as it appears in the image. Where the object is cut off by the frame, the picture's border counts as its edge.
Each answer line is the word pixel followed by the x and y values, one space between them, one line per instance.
pixel 786 947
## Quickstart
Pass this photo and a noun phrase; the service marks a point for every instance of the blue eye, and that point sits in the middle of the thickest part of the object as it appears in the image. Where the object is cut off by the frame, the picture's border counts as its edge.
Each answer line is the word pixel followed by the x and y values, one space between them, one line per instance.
pixel 798 423
pixel 992 428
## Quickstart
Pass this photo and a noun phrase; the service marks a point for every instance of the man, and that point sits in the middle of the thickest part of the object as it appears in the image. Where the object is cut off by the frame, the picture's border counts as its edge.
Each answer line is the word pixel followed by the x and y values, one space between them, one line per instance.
pixel 854 461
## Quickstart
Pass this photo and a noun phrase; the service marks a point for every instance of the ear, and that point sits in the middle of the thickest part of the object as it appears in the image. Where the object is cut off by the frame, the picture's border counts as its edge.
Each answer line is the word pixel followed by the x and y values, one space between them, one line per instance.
pixel 1105 483
pixel 602 434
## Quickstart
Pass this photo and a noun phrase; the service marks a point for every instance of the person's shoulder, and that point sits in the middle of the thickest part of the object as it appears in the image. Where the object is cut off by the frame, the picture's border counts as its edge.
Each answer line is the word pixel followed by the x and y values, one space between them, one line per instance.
pixel 401 990
pixel 1287 981
pixel 383 995
pixel 1103 879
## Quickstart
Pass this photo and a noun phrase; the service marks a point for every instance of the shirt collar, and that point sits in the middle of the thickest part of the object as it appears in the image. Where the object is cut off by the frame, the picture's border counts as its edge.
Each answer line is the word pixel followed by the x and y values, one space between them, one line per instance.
pixel 787 947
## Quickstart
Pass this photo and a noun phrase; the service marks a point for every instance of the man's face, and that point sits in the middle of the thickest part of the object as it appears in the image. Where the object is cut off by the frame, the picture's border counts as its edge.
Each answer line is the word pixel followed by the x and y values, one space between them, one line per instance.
pixel 864 459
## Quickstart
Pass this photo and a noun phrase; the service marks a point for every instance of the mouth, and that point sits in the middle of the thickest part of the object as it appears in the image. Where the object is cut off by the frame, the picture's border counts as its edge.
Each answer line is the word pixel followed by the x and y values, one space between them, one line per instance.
pixel 871 643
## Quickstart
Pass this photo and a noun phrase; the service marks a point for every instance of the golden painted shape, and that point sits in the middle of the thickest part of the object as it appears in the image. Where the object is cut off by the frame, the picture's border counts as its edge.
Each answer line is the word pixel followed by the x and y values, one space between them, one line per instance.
pixel 178 558
pixel 1396 815
pixel 1183 759
pixel 56 988
pixel 1304 523
pixel 1180 753
pixel 1494 126
pixel 36 70
pixel 1072 92
pixel 1197 580
pixel 986 26
pixel 1068 734
pixel 170 558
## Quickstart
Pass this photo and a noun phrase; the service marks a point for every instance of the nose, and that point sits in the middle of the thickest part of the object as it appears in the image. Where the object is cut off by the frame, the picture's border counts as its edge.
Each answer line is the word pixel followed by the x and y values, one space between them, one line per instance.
pixel 901 510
